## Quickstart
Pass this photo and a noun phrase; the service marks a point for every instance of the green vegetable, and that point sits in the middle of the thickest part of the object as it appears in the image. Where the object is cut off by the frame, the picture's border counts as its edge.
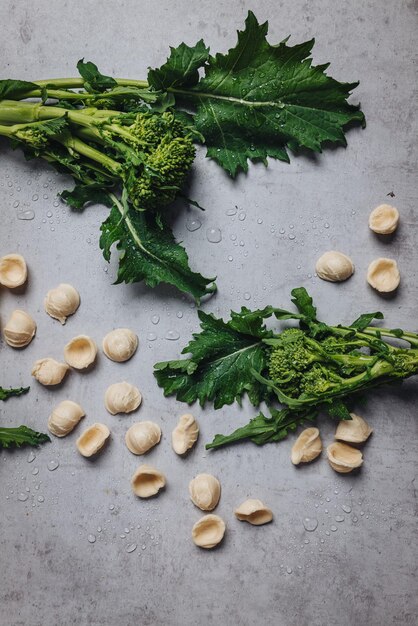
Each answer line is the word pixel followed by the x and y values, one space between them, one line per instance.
pixel 311 368
pixel 128 144
pixel 21 436
pixel 5 394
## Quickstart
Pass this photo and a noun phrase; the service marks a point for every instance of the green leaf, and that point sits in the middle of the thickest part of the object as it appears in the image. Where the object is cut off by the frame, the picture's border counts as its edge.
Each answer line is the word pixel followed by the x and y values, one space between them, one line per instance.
pixel 21 436
pixel 5 394
pixel 15 89
pixel 259 99
pixel 81 195
pixel 148 252
pixel 222 357
pixel 365 320
pixel 262 429
pixel 93 79
pixel 338 410
pixel 304 303
pixel 181 67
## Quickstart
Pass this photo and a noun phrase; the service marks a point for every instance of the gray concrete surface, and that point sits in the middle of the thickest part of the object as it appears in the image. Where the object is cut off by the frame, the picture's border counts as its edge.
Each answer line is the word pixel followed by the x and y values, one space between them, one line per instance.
pixel 354 572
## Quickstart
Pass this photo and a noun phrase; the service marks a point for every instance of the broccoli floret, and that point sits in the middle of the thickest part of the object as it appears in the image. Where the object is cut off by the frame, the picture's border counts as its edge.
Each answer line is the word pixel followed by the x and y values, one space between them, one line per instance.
pixel 291 357
pixel 163 174
pixel 405 362
pixel 32 136
pixel 315 381
pixel 158 156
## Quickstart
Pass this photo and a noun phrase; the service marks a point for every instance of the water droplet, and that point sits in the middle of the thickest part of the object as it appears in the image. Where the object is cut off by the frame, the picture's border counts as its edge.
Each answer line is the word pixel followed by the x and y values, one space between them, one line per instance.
pixel 35 471
pixel 232 211
pixel 259 221
pixel 15 204
pixel 31 457
pixel 22 497
pixel 49 214
pixel 326 225
pixel 247 296
pixel 144 546
pixel 346 508
pixel 91 538
pixel 55 203
pixel 41 499
pixel 233 237
pixel 52 465
pixel 111 507
pixel 291 226
pixel 179 314
pixel 355 519
pixel 310 524
pixel 99 529
pixel 339 518
pixel 292 236
pixel 26 215
pixel 35 197
pixel 230 258
pixel 172 335
pixel 282 231
pixel 333 528
pixel 242 216
pixel 126 530
pixel 289 570
pixel 362 513
pixel 306 541
pixel 193 224
pixel 151 336
pixel 213 235
pixel 131 547
pixel 155 319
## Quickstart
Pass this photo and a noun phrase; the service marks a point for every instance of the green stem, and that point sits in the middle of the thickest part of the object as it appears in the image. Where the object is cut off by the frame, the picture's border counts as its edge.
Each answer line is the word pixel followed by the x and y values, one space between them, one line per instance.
pixel 13 112
pixel 73 83
pixel 75 144
pixel 411 338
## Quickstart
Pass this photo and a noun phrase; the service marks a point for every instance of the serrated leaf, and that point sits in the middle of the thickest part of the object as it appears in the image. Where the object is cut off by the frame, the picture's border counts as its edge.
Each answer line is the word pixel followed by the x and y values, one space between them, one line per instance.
pixel 148 252
pixel 21 436
pixel 15 89
pixel 257 100
pixel 80 195
pixel 222 357
pixel 94 81
pixel 181 67
pixel 5 394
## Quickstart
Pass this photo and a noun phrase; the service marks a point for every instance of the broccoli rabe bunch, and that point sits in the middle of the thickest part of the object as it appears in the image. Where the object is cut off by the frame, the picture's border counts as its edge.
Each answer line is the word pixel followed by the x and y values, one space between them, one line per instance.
pixel 307 370
pixel 149 154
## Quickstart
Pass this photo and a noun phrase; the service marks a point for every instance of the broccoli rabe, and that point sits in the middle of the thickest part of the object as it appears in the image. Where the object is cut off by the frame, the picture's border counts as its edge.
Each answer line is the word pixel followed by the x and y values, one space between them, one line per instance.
pixel 149 154
pixel 307 369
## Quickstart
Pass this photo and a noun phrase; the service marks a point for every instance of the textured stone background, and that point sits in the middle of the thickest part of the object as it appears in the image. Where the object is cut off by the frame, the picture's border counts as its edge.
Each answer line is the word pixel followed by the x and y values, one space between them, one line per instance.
pixel 280 575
